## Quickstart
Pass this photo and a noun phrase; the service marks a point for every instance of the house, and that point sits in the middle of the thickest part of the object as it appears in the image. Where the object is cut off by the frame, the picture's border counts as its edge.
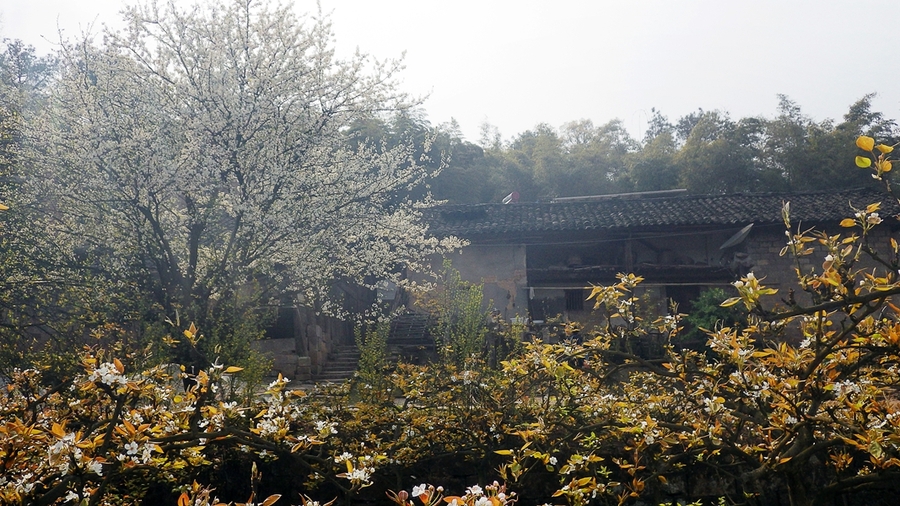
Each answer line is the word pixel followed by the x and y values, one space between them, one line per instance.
pixel 539 260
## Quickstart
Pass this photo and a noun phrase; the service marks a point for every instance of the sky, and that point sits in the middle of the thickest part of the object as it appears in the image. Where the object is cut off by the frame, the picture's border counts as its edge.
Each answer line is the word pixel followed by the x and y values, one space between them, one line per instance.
pixel 517 63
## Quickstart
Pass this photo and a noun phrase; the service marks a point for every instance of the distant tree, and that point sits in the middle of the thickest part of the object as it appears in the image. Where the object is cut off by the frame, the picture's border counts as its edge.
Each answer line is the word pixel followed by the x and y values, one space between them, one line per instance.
pixel 457 170
pixel 532 163
pixel 685 125
pixel 659 125
pixel 489 136
pixel 811 156
pixel 467 178
pixel 540 150
pixel 24 77
pixel 654 167
pixel 596 158
pixel 721 156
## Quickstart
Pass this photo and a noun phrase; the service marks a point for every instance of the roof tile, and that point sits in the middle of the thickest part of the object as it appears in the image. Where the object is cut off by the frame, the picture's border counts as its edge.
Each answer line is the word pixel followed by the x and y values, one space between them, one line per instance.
pixel 634 211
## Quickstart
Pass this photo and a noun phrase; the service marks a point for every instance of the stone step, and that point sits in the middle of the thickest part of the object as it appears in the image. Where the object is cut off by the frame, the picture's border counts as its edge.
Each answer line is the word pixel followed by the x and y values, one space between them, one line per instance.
pixel 341 365
pixel 412 342
pixel 410 327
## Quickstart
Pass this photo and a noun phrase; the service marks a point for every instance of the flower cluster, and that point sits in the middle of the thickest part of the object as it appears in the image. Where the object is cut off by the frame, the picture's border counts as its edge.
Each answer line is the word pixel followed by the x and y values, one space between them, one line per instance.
pixel 494 494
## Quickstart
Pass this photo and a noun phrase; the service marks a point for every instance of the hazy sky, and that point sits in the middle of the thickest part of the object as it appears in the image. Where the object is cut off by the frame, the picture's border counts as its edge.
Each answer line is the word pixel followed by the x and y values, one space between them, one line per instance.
pixel 518 63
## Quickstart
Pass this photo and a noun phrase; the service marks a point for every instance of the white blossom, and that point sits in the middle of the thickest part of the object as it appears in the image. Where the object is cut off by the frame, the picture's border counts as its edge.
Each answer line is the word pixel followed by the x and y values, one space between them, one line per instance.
pixel 221 133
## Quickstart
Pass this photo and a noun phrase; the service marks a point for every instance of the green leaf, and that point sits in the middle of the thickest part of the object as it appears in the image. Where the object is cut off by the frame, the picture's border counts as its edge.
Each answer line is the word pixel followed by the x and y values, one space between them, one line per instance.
pixel 875 449
pixel 863 162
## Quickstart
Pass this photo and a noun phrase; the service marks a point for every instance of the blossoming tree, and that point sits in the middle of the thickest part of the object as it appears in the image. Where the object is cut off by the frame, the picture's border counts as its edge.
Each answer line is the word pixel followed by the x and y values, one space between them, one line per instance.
pixel 201 155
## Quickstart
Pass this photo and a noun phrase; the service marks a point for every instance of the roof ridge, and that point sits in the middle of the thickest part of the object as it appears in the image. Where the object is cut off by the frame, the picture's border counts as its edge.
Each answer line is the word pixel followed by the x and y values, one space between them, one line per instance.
pixel 622 198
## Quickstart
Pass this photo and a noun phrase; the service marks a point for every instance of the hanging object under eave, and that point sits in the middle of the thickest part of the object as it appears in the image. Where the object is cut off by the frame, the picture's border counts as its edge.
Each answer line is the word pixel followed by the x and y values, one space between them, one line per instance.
pixel 737 238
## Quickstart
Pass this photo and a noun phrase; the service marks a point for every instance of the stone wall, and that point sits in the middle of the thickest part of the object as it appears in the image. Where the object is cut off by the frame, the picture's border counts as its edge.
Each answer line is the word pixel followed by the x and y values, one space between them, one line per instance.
pixel 501 268
pixel 304 341
pixel 764 247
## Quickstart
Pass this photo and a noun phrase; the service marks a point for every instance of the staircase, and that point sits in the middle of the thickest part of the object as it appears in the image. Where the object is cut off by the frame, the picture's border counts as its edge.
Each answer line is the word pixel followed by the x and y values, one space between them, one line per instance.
pixel 409 339
pixel 340 366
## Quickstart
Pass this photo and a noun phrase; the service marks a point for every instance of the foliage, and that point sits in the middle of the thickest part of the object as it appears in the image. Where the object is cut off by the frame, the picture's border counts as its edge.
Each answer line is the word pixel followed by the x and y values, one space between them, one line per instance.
pixel 707 313
pixel 110 426
pixel 428 495
pixel 373 360
pixel 764 416
pixel 460 331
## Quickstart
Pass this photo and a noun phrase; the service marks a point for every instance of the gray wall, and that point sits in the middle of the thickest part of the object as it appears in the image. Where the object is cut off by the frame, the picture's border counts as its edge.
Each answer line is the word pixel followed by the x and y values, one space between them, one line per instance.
pixel 501 268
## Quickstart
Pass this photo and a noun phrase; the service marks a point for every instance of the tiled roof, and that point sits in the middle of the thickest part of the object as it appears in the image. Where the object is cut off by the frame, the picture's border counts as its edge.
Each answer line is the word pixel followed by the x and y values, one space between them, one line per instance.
pixel 631 212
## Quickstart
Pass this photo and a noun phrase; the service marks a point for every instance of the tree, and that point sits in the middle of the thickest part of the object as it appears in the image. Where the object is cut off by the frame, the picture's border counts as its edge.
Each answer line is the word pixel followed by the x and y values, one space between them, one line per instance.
pixel 40 292
pixel 653 167
pixel 457 170
pixel 535 163
pixel 808 155
pixel 720 155
pixel 596 158
pixel 201 155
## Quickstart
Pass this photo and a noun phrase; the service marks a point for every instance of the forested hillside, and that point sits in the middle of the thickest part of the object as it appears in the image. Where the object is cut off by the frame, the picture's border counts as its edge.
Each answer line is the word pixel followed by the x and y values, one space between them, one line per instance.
pixel 704 152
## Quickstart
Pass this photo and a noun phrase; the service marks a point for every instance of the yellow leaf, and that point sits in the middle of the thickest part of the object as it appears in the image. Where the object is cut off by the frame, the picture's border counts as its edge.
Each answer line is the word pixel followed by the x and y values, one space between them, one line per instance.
pixel 884 149
pixel 58 430
pixel 865 142
pixel 119 366
pixel 503 452
pixel 886 166
pixel 848 222
pixel 271 499
pixel 662 479
pixel 233 369
pixel 730 301
pixel 184 499
pixel 863 162
pixel 4 207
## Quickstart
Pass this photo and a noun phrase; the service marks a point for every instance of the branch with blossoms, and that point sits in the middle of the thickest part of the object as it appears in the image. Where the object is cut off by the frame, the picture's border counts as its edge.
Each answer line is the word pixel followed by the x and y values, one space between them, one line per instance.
pixel 494 494
pixel 80 442
pixel 801 387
